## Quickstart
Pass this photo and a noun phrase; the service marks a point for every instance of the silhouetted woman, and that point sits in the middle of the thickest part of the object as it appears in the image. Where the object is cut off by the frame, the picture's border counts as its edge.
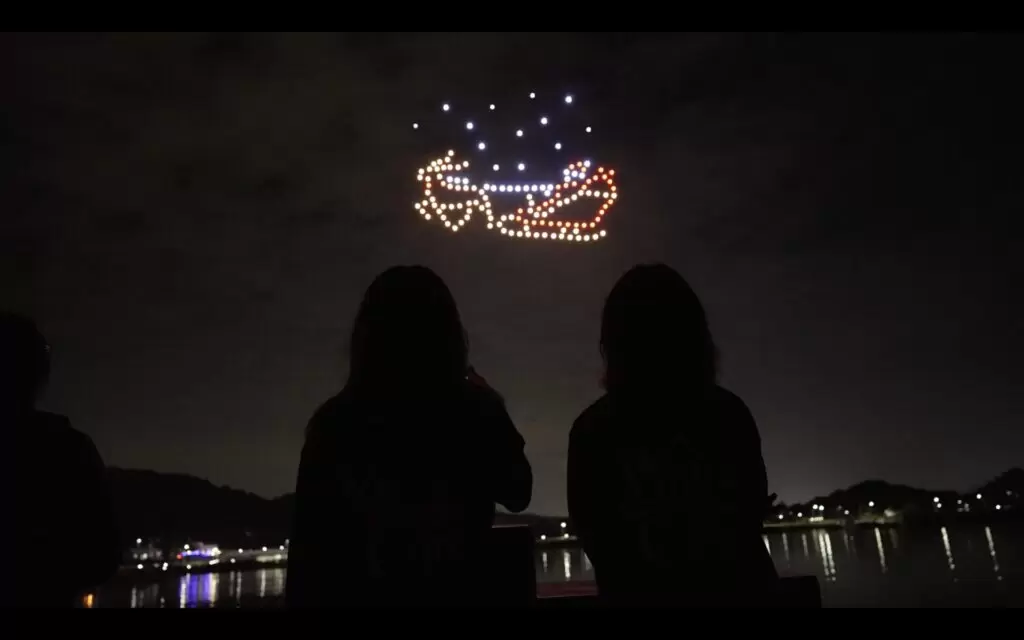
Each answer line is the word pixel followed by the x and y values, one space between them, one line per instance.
pixel 62 529
pixel 666 485
pixel 401 470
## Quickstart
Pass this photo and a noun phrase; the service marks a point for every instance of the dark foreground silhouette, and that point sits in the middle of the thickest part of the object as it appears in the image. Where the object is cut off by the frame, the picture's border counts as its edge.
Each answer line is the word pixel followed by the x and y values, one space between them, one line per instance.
pixel 64 539
pixel 666 484
pixel 400 471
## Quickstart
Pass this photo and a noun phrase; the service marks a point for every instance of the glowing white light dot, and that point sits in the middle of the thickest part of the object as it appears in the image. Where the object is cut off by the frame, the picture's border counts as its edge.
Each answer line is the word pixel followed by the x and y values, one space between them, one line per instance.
pixel 520 166
pixel 532 95
pixel 568 99
pixel 469 125
pixel 544 120
pixel 415 125
pixel 481 146
pixel 446 107
pixel 495 167
pixel 519 133
pixel 558 146
pixel 492 107
pixel 588 129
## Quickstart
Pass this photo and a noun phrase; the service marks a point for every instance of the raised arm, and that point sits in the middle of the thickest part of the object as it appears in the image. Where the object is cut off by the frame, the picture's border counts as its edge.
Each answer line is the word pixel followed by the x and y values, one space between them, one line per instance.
pixel 512 476
pixel 508 471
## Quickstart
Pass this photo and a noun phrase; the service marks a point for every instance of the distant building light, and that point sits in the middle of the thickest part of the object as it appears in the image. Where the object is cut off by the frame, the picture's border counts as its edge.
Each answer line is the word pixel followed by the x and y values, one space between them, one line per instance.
pixel 800 514
pixel 935 499
pixel 186 547
pixel 281 548
pixel 781 517
pixel 978 496
pixel 566 536
pixel 938 505
pixel 264 548
pixel 846 512
pixel 871 503
pixel 138 540
pixel 563 525
pixel 999 507
pixel 543 537
pixel 139 567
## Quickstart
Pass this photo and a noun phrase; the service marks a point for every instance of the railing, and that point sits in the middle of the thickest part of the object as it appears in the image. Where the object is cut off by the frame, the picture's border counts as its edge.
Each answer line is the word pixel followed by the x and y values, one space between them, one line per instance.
pixel 513 578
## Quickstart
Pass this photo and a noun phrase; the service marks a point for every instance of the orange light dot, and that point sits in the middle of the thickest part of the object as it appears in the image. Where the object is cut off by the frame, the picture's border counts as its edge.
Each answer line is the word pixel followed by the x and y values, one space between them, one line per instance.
pixel 611 172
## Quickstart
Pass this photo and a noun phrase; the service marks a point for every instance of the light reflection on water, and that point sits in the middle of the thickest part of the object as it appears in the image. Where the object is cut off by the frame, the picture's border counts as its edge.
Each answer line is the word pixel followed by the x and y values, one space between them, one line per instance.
pixel 856 566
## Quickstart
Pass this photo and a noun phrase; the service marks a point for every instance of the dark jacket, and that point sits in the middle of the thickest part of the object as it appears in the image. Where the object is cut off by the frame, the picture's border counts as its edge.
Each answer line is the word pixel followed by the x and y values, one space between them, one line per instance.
pixel 66 541
pixel 667 495
pixel 395 500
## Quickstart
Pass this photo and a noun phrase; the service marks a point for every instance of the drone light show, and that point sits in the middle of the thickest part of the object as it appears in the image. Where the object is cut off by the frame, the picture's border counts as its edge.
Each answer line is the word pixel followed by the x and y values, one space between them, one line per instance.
pixel 520 176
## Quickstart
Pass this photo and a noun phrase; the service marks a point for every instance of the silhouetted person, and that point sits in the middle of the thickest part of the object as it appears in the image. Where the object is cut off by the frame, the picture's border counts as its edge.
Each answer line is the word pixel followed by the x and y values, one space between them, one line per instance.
pixel 666 484
pixel 65 541
pixel 401 470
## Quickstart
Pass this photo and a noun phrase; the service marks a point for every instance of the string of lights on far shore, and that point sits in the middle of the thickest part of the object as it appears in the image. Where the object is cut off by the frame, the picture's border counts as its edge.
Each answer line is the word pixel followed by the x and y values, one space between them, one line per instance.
pixel 536 210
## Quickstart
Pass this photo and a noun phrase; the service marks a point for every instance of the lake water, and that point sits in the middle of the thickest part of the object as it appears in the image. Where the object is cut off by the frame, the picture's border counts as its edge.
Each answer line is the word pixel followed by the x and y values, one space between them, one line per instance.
pixel 963 566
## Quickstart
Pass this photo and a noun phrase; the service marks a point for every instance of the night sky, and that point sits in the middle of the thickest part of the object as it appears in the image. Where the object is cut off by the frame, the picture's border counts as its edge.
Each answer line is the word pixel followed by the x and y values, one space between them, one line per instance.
pixel 193 219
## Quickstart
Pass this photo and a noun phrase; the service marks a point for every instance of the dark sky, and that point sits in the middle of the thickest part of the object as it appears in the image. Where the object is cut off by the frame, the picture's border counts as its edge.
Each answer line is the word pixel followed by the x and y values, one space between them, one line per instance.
pixel 193 218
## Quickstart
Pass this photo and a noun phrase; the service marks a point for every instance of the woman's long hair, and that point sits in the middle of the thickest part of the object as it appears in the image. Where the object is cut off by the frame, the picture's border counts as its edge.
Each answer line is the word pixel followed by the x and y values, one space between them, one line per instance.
pixel 654 333
pixel 407 335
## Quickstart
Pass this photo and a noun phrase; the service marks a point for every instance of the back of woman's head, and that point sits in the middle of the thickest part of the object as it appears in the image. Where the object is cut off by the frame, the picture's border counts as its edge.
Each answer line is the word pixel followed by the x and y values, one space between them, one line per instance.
pixel 654 332
pixel 407 334
pixel 24 361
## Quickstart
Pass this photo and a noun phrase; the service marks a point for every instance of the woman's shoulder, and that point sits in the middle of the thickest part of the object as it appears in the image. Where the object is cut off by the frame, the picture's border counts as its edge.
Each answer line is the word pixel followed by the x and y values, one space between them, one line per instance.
pixel 730 404
pixel 593 420
pixel 331 411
